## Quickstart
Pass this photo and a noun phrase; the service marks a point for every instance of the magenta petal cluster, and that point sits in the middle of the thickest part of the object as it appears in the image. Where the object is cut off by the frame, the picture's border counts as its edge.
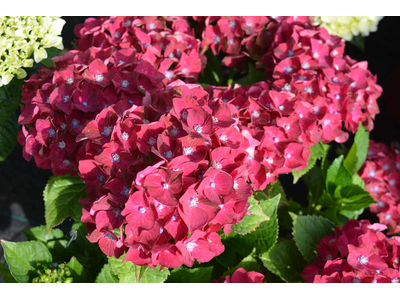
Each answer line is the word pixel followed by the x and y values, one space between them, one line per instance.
pixel 358 252
pixel 381 174
pixel 305 65
pixel 167 43
pixel 242 276
pixel 167 164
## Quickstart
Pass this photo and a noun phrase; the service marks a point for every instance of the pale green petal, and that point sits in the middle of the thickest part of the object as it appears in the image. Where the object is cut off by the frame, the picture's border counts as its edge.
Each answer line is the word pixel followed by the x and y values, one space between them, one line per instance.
pixel 21 73
pixel 39 55
pixel 6 78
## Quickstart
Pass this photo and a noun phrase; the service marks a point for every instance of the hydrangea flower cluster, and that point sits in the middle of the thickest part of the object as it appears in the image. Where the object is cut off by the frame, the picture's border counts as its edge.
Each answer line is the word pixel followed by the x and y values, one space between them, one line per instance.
pixel 348 27
pixel 165 179
pixel 306 65
pixel 167 42
pixel 381 174
pixel 166 163
pixel 242 276
pixel 60 102
pixel 358 252
pixel 22 36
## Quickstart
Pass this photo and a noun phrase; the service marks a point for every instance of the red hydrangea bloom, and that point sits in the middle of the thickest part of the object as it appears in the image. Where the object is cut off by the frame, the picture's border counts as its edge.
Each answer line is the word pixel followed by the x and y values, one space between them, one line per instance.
pixel 381 174
pixel 177 183
pixel 358 252
pixel 304 61
pixel 64 107
pixel 168 163
pixel 168 43
pixel 242 276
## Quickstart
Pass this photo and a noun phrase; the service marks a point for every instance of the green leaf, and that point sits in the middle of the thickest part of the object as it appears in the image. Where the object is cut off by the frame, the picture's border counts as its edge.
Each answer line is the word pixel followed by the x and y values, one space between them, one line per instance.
pixel 106 275
pixel 308 231
pixel 358 151
pixel 8 137
pixel 337 175
pixel 253 76
pixel 357 180
pixel 194 275
pixel 10 98
pixel 61 197
pixel 265 236
pixel 352 214
pixel 359 42
pixel 250 223
pixel 92 258
pixel 40 233
pixel 51 52
pixel 153 275
pixel 6 274
pixel 227 258
pixel 317 152
pixel 77 270
pixel 354 198
pixel 212 74
pixel 54 240
pixel 315 182
pixel 274 189
pixel 249 263
pixel 23 257
pixel 127 272
pixel 286 261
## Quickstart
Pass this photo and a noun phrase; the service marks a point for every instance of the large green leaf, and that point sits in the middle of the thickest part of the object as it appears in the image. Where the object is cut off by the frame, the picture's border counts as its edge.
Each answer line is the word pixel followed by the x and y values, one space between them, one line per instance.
pixel 8 137
pixel 194 275
pixel 10 97
pixel 23 257
pixel 106 275
pixel 308 231
pixel 358 151
pixel 265 236
pixel 6 274
pixel 61 197
pixel 40 233
pixel 317 152
pixel 127 272
pixel 354 198
pixel 54 240
pixel 153 275
pixel 77 270
pixel 252 221
pixel 286 261
pixel 249 263
pixel 228 258
pixel 337 175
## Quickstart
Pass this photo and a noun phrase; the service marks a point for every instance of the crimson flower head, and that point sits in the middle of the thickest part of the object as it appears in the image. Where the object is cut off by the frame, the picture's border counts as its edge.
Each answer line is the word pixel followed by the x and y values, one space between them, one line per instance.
pixel 242 276
pixel 358 252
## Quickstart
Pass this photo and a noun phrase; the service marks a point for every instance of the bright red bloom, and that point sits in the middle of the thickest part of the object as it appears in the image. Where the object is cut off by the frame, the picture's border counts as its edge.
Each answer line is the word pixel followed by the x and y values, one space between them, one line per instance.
pixel 242 276
pixel 358 252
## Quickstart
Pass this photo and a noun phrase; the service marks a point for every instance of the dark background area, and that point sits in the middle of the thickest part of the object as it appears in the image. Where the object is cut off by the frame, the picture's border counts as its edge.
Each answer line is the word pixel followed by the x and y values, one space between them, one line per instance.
pixel 22 183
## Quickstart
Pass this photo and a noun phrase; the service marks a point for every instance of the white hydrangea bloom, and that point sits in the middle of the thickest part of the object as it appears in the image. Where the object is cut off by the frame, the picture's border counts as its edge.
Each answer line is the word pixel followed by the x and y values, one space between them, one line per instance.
pixel 20 37
pixel 347 27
